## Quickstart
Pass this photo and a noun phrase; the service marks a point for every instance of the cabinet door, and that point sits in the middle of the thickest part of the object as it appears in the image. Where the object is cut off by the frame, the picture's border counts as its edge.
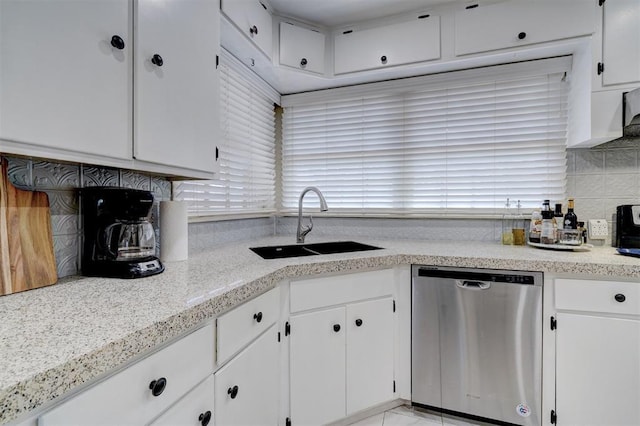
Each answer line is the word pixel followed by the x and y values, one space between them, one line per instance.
pixel 252 19
pixel 247 387
pixel 62 84
pixel 621 42
pixel 397 44
pixel 194 409
pixel 597 370
pixel 176 83
pixel 317 367
pixel 518 23
pixel 301 48
pixel 370 348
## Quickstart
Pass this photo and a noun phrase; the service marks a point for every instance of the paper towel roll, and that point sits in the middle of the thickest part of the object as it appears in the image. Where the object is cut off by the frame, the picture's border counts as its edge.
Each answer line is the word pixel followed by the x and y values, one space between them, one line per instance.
pixel 174 231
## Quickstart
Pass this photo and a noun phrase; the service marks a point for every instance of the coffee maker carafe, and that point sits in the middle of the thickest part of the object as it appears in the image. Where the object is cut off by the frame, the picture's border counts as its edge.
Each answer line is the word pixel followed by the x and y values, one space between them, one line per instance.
pixel 119 241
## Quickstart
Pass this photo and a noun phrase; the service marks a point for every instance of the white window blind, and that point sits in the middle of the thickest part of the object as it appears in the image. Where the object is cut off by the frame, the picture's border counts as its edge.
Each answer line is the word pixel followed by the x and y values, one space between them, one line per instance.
pixel 455 143
pixel 246 182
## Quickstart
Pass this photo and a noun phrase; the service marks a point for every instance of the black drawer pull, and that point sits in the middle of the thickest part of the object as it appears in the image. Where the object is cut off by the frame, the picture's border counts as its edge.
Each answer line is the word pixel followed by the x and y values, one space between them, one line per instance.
pixel 303 62
pixel 157 60
pixel 158 386
pixel 358 322
pixel 620 297
pixel 117 42
pixel 253 30
pixel 336 327
pixel 383 59
pixel 522 35
pixel 205 418
pixel 257 317
pixel 233 392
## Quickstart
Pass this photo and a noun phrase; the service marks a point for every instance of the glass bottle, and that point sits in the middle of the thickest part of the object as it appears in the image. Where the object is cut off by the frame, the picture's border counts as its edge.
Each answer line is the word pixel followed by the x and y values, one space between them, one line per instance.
pixel 557 220
pixel 518 227
pixel 546 233
pixel 570 219
pixel 507 225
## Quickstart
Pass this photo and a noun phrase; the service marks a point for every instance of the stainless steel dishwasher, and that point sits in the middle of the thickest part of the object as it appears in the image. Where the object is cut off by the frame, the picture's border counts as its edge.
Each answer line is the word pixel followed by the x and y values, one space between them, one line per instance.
pixel 477 343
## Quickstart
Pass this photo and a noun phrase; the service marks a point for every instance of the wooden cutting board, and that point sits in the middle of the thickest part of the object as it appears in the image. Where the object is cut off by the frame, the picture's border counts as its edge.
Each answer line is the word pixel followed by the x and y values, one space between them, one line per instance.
pixel 26 241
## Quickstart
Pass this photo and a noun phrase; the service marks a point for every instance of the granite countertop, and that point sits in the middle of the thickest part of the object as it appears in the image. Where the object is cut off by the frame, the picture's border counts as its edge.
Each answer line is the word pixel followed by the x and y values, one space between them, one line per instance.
pixel 57 338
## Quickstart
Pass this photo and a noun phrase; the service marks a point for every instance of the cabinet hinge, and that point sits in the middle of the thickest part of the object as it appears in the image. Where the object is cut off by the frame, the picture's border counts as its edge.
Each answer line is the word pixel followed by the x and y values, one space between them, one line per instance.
pixel 601 2
pixel 600 68
pixel 394 386
pixel 278 336
pixel 553 323
pixel 217 61
pixel 554 418
pixel 394 305
pixel 217 153
pixel 287 328
pixel 287 422
pixel 471 6
pixel 423 16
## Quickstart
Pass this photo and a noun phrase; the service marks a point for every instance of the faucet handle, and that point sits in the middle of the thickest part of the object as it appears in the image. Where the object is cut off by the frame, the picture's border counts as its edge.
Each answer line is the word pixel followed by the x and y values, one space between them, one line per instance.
pixel 307 229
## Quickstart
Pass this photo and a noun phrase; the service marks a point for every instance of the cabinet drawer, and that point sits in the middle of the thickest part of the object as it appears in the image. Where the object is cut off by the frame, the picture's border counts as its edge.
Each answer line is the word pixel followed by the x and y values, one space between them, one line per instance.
pixel 193 409
pixel 598 296
pixel 126 398
pixel 327 291
pixel 243 324
pixel 396 44
pixel 518 23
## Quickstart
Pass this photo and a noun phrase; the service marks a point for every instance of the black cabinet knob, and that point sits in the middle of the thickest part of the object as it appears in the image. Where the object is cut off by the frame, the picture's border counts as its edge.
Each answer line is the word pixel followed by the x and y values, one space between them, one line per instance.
pixel 358 322
pixel 205 418
pixel 257 317
pixel 233 392
pixel 336 327
pixel 303 62
pixel 117 42
pixel 522 35
pixel 158 386
pixel 620 297
pixel 383 59
pixel 253 30
pixel 157 60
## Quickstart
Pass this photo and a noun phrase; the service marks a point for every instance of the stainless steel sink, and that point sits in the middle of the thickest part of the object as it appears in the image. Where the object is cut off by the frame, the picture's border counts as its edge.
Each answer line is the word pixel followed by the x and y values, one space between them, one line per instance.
pixel 296 250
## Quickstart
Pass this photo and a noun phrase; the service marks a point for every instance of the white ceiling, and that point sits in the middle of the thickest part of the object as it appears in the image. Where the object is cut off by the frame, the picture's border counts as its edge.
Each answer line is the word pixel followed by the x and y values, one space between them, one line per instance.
pixel 332 13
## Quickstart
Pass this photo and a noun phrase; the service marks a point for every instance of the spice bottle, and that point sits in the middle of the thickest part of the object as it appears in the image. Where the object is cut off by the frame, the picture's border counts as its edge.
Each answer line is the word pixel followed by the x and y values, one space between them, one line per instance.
pixel 535 227
pixel 518 227
pixel 570 219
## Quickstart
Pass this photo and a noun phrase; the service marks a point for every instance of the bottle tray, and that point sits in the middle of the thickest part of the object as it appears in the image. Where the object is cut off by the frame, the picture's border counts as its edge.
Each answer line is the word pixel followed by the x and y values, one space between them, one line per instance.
pixel 566 247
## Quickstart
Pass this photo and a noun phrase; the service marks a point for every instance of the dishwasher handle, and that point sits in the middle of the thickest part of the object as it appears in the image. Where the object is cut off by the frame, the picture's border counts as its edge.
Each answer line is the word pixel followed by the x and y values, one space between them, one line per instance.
pixel 473 285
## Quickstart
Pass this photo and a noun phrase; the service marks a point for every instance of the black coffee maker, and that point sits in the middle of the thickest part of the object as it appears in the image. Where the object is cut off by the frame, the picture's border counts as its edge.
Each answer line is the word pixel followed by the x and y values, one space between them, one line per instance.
pixel 119 240
pixel 627 232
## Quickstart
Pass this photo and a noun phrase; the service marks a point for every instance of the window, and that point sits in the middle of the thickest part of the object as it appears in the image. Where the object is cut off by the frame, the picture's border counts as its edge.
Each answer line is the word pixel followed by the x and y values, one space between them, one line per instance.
pixel 246 182
pixel 454 143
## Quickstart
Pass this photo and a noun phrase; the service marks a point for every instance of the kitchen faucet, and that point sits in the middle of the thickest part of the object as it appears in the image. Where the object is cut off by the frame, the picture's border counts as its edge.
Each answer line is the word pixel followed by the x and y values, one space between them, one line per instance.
pixel 304 230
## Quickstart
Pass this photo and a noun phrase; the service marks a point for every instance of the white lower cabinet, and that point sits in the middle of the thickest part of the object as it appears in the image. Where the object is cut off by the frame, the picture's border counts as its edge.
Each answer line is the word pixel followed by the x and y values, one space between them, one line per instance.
pixel 597 353
pixel 141 392
pixel 196 408
pixel 246 388
pixel 341 361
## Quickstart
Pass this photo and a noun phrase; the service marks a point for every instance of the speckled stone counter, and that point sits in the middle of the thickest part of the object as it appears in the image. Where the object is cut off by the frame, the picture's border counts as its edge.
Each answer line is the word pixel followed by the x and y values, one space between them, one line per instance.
pixel 57 338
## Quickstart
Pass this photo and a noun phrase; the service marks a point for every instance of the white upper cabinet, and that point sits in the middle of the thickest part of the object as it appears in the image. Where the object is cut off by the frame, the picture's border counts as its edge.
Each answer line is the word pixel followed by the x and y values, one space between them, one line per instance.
pixel 302 48
pixel 63 83
pixel 621 42
pixel 396 44
pixel 517 23
pixel 252 19
pixel 176 87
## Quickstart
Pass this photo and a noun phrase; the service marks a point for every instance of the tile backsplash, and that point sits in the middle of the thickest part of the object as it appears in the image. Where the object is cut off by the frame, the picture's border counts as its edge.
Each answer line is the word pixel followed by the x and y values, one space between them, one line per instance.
pixel 598 179
pixel 61 182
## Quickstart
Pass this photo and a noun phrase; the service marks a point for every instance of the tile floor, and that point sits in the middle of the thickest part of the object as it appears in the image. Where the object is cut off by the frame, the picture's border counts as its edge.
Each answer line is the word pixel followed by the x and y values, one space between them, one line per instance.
pixel 410 416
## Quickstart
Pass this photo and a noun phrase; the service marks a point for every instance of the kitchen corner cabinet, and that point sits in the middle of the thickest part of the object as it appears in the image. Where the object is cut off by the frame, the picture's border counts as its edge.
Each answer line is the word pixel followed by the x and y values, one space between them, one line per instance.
pixel 341 357
pixel 69 90
pixel 65 76
pixel 302 48
pixel 620 42
pixel 144 390
pixel 401 43
pixel 597 352
pixel 253 20
pixel 482 28
pixel 246 388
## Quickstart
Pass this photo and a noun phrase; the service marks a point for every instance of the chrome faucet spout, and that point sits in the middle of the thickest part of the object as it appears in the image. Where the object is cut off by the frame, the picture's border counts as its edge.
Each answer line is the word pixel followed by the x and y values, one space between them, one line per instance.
pixel 304 230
